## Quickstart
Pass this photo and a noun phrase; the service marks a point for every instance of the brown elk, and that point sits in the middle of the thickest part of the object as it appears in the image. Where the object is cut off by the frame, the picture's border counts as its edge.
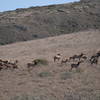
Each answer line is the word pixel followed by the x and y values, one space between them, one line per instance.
pixel 1 68
pixel 1 64
pixel 94 60
pixel 6 61
pixel 77 56
pixel 64 61
pixel 12 65
pixel 75 65
pixel 29 65
pixel 93 57
pixel 83 58
pixel 0 60
pixel 98 54
pixel 5 64
pixel 57 57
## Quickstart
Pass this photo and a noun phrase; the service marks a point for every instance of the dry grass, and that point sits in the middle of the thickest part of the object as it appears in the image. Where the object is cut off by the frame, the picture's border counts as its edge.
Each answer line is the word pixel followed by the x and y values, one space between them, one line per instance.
pixel 55 81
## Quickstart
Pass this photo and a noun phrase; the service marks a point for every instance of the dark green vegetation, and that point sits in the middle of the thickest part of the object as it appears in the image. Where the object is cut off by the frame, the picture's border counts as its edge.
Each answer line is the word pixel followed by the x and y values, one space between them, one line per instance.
pixel 41 22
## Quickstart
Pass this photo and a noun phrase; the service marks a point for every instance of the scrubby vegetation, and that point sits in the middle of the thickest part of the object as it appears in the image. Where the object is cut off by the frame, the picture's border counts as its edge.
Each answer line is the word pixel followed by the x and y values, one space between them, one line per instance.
pixel 66 75
pixel 41 62
pixel 44 74
pixel 48 21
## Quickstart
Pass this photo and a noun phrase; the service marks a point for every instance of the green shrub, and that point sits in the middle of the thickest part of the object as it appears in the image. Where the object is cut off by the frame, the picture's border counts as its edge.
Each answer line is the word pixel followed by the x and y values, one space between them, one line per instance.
pixel 66 75
pixel 22 97
pixel 2 43
pixel 33 97
pixel 40 62
pixel 15 98
pixel 44 74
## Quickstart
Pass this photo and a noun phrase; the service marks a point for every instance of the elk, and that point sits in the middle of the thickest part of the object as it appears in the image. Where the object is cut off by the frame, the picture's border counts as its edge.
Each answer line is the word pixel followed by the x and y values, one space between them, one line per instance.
pixel 57 57
pixel 84 57
pixel 34 63
pixel 8 65
pixel 75 65
pixel 77 56
pixel 29 65
pixel 1 64
pixel 64 61
pixel 94 60
pixel 6 61
pixel 16 62
pixel 98 54
pixel 12 65
pixel 0 60
pixel 93 57
pixel 1 68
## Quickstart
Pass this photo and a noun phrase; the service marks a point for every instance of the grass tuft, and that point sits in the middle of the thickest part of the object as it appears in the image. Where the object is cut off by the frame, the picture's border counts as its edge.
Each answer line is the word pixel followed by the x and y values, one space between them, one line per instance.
pixel 44 74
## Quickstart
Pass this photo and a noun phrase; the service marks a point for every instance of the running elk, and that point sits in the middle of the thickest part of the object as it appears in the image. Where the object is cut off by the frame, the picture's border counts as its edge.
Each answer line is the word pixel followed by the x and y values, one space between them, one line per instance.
pixel 57 57
pixel 77 56
pixel 75 65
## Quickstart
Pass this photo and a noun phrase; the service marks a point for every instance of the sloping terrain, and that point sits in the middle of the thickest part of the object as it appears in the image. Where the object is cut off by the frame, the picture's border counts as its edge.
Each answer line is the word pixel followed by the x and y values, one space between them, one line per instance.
pixel 40 22
pixel 53 81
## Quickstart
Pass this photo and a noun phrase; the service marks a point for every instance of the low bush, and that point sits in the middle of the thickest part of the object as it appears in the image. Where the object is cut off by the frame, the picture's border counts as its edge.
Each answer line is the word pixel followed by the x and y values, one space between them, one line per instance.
pixel 44 74
pixel 66 75
pixel 40 62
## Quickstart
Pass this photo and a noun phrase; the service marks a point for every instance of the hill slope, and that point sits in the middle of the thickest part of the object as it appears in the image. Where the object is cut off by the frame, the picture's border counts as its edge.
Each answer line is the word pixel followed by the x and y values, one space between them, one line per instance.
pixel 40 22
pixel 53 81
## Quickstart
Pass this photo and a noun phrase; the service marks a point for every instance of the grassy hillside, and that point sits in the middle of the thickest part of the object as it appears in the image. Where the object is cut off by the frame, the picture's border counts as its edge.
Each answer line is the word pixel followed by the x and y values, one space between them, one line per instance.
pixel 52 81
pixel 40 22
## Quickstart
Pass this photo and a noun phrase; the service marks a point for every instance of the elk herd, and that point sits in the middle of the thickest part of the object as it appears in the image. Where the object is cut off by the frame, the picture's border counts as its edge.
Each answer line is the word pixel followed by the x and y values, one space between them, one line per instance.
pixel 5 64
pixel 74 60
